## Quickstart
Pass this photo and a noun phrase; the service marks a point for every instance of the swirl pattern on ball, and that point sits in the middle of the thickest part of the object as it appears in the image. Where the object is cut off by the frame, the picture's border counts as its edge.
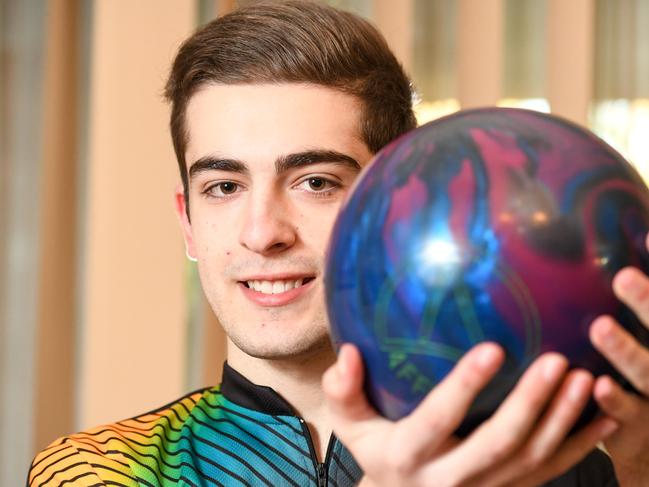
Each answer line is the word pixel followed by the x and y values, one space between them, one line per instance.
pixel 491 224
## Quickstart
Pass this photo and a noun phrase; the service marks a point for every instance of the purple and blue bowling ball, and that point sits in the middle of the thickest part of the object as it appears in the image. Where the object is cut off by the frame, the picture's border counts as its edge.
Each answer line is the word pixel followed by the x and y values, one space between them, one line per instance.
pixel 494 224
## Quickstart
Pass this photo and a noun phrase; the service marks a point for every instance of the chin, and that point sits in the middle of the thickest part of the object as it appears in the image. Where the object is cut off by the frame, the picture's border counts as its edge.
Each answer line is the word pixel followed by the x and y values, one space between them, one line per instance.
pixel 287 349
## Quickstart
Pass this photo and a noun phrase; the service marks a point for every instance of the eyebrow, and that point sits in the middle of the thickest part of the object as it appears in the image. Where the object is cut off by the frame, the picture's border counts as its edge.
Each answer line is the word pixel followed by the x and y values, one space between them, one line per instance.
pixel 282 163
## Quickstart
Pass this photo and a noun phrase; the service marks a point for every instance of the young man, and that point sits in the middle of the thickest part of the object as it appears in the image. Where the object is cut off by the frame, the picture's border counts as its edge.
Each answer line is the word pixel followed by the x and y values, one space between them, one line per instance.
pixel 275 109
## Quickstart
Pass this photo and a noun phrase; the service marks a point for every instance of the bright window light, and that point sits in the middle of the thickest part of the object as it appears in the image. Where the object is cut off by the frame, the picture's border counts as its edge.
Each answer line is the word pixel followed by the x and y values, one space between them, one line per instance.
pixel 625 125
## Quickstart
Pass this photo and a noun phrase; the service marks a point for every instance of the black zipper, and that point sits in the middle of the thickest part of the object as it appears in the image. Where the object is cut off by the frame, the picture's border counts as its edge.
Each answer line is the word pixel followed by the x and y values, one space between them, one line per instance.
pixel 322 475
pixel 320 468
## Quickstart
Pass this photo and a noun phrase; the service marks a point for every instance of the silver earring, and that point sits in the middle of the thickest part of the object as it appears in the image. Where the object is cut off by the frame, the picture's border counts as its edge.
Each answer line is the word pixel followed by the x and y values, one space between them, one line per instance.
pixel 189 257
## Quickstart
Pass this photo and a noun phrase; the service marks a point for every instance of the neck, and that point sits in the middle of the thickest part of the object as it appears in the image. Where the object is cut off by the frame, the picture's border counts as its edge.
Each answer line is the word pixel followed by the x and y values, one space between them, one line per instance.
pixel 296 379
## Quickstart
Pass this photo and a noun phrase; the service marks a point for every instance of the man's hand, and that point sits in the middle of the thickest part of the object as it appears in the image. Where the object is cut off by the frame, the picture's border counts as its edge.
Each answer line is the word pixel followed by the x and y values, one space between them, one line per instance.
pixel 629 445
pixel 524 442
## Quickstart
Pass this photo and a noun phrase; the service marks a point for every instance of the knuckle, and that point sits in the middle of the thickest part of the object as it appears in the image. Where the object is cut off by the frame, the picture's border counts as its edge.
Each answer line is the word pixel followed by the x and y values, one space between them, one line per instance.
pixel 535 399
pixel 400 462
pixel 502 448
pixel 531 459
pixel 435 425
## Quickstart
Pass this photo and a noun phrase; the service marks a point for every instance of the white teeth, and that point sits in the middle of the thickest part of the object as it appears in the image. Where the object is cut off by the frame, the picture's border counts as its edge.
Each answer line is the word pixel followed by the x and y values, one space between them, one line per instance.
pixel 274 287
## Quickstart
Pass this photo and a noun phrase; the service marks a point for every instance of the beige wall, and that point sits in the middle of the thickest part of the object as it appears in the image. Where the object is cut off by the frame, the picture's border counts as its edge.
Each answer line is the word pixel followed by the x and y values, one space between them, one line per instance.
pixel 480 52
pixel 132 341
pixel 394 19
pixel 570 53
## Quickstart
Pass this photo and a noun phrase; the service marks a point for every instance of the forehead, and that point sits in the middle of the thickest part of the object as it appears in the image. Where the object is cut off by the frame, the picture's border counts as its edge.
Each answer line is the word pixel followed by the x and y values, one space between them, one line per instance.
pixel 258 122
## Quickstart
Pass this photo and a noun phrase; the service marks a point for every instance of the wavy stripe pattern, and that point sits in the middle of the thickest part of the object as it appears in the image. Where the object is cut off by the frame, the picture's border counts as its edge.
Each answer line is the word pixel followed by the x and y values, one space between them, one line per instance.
pixel 202 439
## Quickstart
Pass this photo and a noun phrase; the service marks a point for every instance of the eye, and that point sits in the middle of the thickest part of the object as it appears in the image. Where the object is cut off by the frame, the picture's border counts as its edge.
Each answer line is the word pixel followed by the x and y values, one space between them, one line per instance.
pixel 224 188
pixel 227 187
pixel 317 184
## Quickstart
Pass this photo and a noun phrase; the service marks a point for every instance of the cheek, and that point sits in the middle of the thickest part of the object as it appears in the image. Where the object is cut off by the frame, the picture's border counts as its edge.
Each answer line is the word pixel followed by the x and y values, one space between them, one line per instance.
pixel 209 245
pixel 315 228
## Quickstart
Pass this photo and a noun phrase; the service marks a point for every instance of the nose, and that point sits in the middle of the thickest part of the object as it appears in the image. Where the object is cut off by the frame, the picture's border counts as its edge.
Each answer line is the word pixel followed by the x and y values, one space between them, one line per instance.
pixel 267 227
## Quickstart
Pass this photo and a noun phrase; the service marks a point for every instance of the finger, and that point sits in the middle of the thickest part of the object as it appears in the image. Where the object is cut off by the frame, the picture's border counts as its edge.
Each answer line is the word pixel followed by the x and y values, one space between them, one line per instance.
pixel 632 287
pixel 573 450
pixel 497 438
pixel 560 417
pixel 551 430
pixel 615 401
pixel 622 350
pixel 431 424
pixel 351 413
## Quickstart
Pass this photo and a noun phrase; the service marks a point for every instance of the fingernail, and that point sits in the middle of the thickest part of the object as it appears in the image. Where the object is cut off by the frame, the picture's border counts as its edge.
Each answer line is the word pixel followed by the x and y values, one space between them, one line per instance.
pixel 486 356
pixel 606 332
pixel 552 367
pixel 604 386
pixel 577 388
pixel 626 279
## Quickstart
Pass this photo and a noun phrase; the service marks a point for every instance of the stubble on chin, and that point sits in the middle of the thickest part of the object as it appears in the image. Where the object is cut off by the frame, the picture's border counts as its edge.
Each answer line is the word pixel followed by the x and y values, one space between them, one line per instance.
pixel 269 346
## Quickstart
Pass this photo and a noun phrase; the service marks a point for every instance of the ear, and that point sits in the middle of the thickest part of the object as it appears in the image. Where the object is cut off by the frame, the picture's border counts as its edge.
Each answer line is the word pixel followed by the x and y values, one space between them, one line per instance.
pixel 185 224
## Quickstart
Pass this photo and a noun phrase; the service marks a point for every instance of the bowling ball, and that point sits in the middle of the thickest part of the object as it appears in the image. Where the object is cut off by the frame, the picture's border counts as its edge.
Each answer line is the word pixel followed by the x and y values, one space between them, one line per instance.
pixel 494 224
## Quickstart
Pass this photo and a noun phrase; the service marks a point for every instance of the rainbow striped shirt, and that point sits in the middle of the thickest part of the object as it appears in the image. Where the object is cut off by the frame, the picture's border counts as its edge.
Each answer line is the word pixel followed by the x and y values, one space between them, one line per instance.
pixel 233 435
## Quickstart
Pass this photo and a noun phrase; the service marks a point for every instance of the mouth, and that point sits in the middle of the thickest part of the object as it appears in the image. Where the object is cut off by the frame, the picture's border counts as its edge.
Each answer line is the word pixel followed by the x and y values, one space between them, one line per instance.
pixel 279 290
pixel 276 286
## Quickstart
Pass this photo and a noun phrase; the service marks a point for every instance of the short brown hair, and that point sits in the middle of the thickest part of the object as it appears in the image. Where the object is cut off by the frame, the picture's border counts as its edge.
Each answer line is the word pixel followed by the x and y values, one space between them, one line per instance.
pixel 294 41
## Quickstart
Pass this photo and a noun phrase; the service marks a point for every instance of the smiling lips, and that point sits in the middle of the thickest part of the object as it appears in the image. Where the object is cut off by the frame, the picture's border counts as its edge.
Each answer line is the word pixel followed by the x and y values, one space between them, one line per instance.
pixel 276 292
pixel 275 287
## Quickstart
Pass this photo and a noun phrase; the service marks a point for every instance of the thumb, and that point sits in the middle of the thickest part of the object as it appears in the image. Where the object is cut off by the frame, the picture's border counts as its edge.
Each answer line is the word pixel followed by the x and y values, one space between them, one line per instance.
pixel 351 413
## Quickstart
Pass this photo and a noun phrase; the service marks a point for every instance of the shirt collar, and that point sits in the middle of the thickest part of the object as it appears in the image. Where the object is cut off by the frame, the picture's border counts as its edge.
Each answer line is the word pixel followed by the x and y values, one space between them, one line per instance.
pixel 236 388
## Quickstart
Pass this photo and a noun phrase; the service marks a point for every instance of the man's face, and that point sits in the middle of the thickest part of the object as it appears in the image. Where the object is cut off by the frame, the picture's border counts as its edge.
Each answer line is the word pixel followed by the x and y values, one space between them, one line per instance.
pixel 269 166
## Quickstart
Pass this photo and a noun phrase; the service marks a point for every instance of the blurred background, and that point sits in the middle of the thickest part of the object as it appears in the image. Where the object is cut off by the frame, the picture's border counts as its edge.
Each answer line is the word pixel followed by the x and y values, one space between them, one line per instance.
pixel 101 316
